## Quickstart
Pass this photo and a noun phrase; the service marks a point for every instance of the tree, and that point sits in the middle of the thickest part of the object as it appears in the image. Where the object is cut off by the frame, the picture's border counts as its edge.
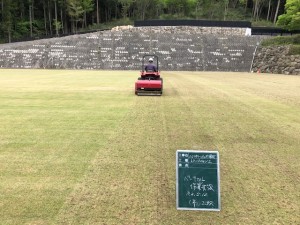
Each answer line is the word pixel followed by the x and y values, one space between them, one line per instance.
pixel 125 4
pixel 269 9
pixel 56 22
pixel 22 18
pixel 75 11
pixel 257 9
pixel 276 13
pixel 196 5
pixel 7 17
pixel 291 19
pixel 226 6
pixel 87 6
pixel 143 7
pixel 31 15
pixel 111 9
pixel 63 15
pixel 214 9
pixel 201 8
pixel 50 17
pixel 45 17
pixel 97 9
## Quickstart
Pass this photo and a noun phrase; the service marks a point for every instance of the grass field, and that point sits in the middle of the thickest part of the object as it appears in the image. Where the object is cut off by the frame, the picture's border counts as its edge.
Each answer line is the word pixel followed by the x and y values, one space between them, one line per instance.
pixel 78 147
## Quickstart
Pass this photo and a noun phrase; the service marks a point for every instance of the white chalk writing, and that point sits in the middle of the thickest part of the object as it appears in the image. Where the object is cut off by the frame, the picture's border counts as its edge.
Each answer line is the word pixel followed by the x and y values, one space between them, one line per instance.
pixel 196 204
pixel 200 159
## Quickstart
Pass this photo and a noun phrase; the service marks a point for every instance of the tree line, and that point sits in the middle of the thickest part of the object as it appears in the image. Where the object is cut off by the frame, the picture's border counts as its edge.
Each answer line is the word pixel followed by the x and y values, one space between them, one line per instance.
pixel 37 18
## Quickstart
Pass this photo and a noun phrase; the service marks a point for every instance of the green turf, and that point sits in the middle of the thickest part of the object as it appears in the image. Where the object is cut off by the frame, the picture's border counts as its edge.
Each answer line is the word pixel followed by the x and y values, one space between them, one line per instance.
pixel 78 147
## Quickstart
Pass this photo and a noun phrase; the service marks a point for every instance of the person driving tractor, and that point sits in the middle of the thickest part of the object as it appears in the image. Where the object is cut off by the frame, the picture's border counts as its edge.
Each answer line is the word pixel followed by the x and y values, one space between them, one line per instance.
pixel 149 82
pixel 150 67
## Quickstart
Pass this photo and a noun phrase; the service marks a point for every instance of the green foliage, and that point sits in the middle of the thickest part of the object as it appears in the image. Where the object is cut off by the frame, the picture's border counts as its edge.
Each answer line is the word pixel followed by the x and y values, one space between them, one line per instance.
pixel 262 23
pixel 23 29
pixel 87 5
pixel 173 17
pixel 57 24
pixel 294 50
pixel 75 9
pixel 291 19
pixel 293 41
pixel 2 39
pixel 7 18
pixel 237 14
pixel 73 15
pixel 282 40
pixel 126 4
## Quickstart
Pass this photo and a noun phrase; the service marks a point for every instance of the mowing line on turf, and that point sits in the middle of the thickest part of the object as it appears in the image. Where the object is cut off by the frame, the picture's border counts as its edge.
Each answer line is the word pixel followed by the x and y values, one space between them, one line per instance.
pixel 132 179
pixel 78 147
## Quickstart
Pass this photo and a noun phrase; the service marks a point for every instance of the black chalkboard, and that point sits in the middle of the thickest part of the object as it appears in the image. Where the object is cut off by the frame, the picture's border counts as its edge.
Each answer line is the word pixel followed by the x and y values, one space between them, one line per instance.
pixel 197 180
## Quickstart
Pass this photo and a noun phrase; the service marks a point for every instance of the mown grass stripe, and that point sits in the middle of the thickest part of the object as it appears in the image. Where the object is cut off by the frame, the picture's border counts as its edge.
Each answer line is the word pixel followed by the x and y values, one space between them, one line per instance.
pixel 90 152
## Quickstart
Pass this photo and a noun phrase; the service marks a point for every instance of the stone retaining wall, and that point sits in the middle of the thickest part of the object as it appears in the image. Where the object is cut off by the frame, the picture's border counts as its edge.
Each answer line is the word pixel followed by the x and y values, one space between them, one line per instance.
pixel 276 60
pixel 180 48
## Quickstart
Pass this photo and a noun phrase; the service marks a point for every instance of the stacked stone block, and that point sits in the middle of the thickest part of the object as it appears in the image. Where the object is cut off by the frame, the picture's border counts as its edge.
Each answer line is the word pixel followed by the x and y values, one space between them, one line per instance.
pixel 276 59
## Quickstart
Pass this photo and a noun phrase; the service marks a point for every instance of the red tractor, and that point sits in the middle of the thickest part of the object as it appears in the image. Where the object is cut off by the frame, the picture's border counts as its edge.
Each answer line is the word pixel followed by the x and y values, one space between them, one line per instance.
pixel 149 82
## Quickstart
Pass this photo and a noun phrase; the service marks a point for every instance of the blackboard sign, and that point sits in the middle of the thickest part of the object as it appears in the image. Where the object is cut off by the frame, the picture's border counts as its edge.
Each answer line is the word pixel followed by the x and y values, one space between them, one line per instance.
pixel 197 180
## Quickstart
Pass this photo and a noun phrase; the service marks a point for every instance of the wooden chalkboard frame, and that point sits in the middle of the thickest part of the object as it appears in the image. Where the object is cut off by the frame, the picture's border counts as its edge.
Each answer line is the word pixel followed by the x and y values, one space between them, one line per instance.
pixel 215 170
